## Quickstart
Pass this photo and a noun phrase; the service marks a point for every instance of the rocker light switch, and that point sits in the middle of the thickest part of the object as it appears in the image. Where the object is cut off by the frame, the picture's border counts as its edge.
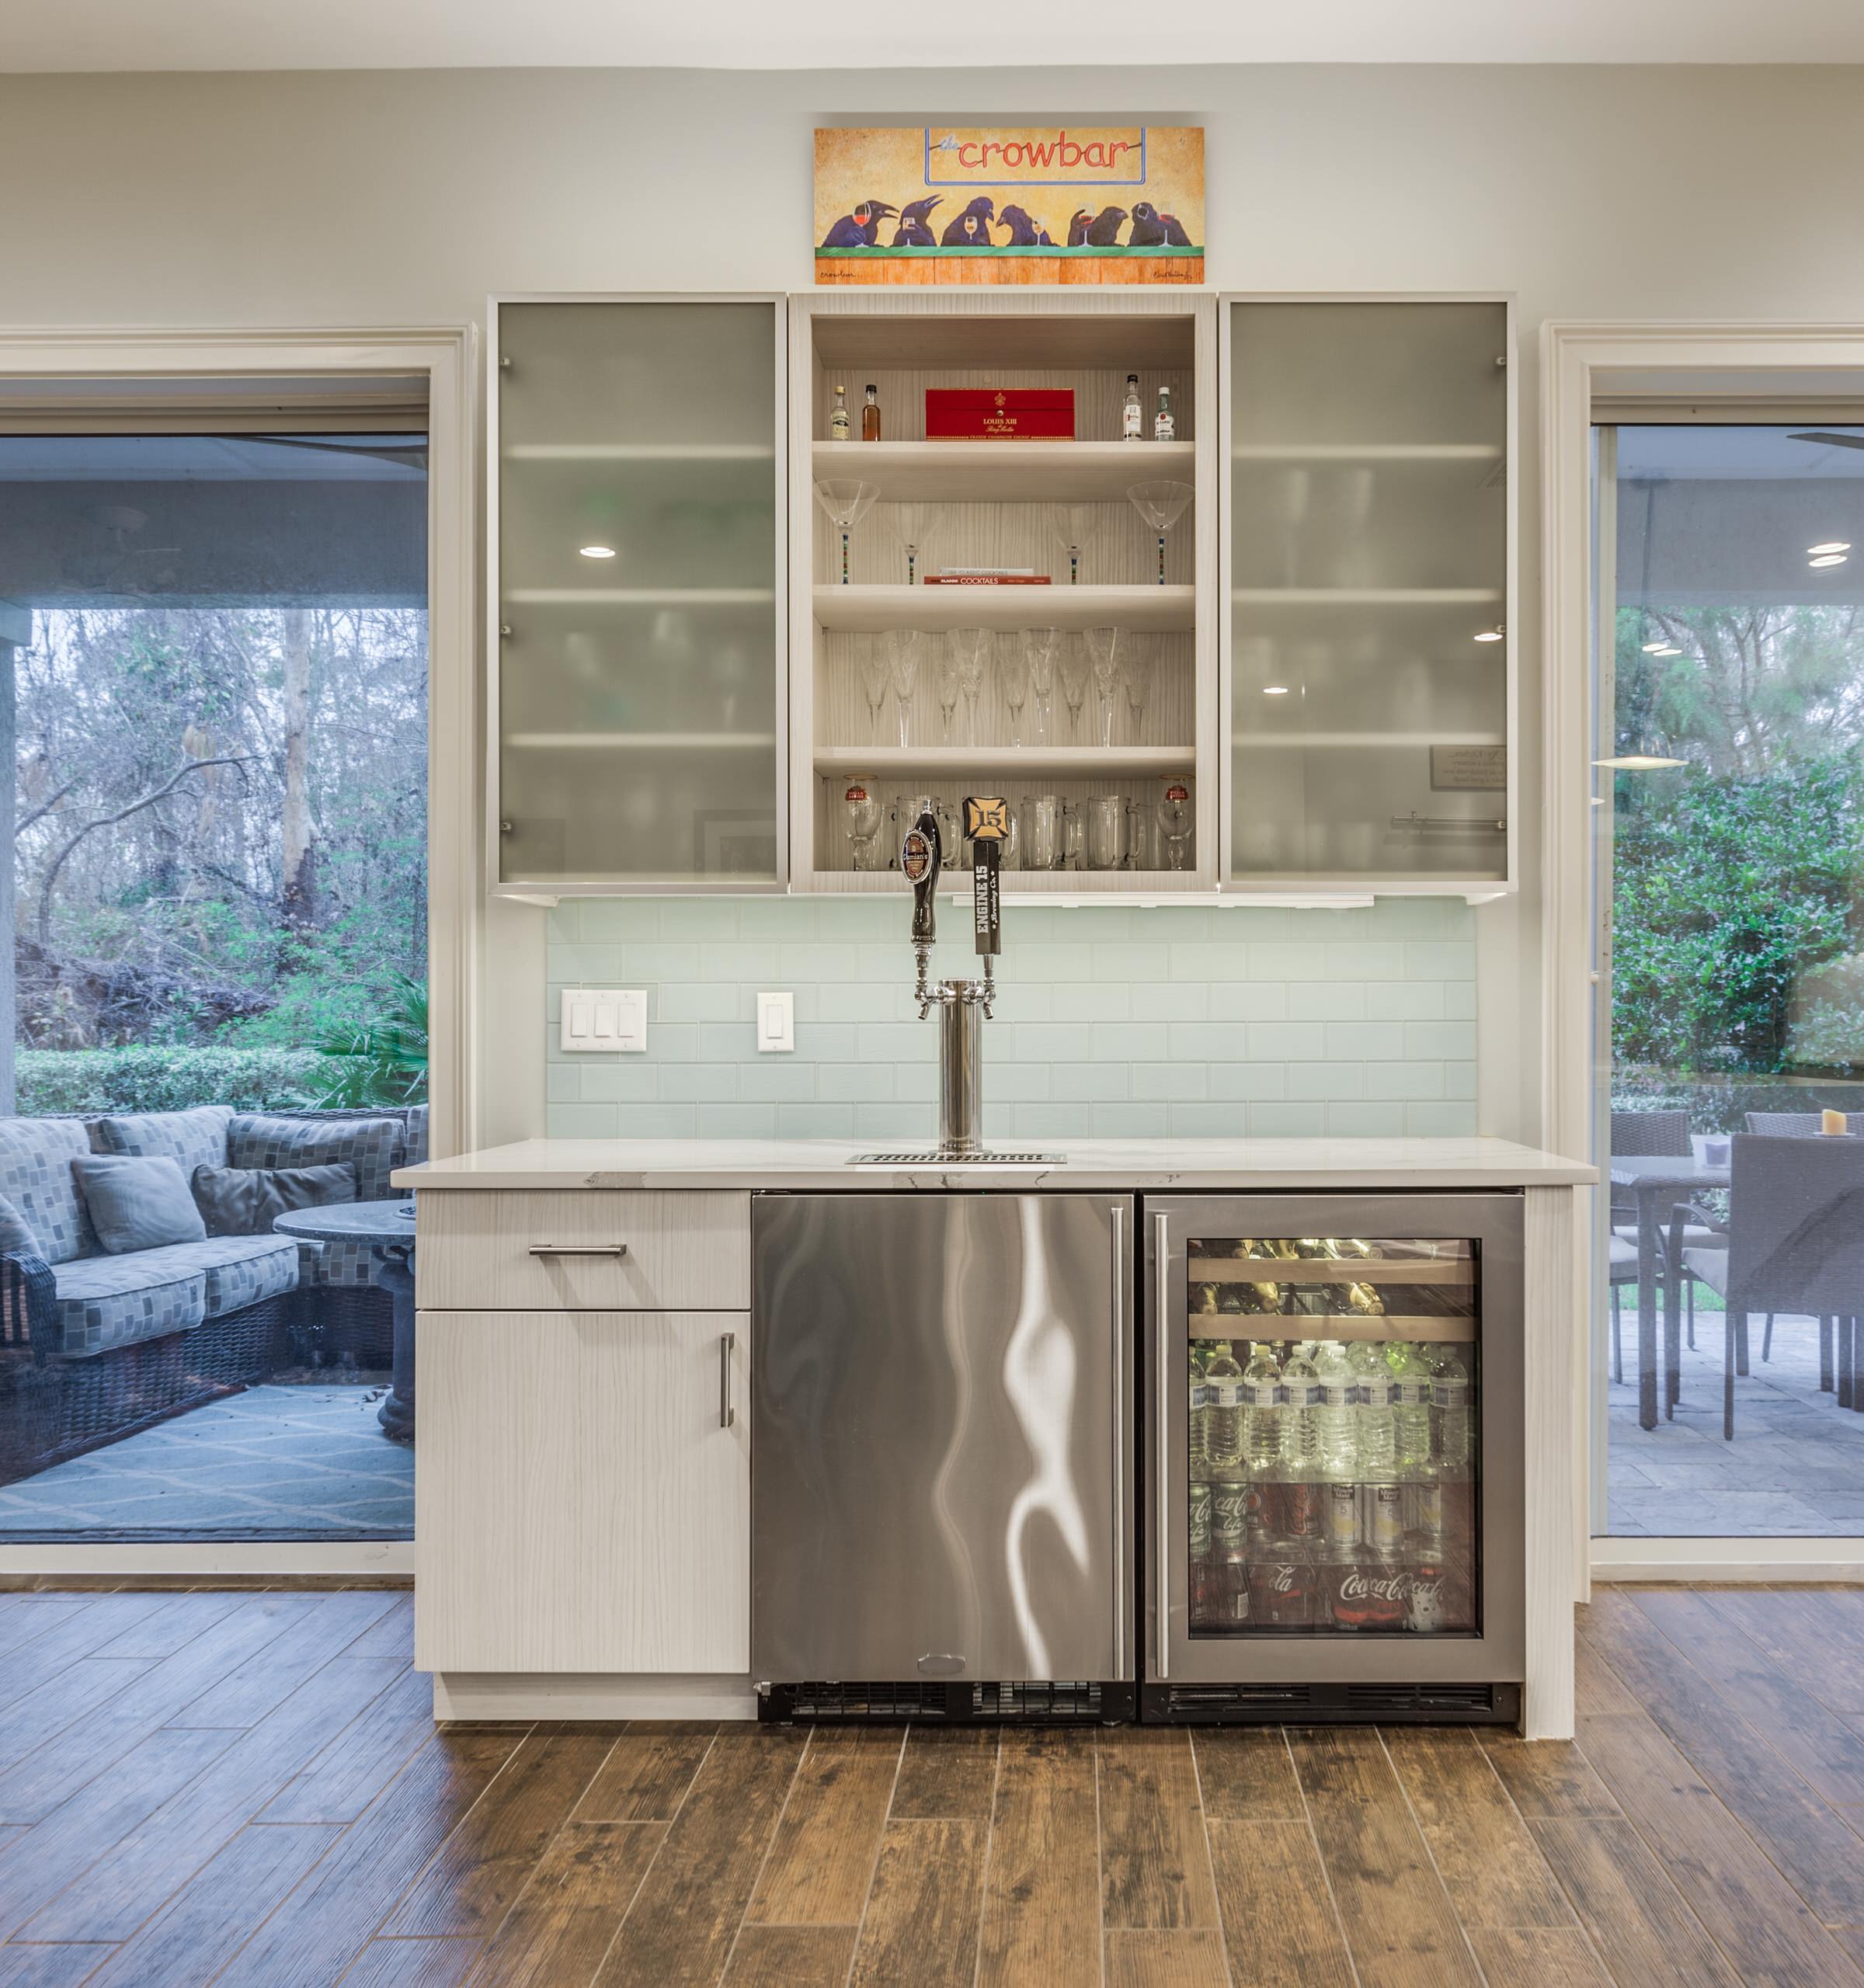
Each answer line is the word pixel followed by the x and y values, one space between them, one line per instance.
pixel 776 1021
pixel 604 1018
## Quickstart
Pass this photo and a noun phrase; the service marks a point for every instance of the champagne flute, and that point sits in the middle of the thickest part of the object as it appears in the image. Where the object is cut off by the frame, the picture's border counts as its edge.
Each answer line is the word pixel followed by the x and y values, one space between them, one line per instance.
pixel 1012 673
pixel 871 658
pixel 944 664
pixel 971 648
pixel 1073 527
pixel 1104 660
pixel 1137 676
pixel 914 526
pixel 846 503
pixel 1074 682
pixel 1039 646
pixel 904 648
pixel 1161 504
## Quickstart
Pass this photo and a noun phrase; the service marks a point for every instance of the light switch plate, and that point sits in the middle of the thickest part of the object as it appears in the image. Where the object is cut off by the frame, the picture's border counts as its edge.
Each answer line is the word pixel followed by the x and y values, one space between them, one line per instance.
pixel 775 1022
pixel 604 1018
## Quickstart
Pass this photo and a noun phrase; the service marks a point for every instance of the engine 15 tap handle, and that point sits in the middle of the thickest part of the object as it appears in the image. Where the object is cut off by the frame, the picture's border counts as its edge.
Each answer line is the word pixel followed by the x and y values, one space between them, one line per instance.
pixel 986 824
pixel 920 861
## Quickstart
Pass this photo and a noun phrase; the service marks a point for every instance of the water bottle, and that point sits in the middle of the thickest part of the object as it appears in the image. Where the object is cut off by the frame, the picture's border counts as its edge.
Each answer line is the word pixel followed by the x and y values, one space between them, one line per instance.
pixel 1376 1445
pixel 1300 1417
pixel 1411 1396
pixel 1336 1417
pixel 1450 1388
pixel 1196 1450
pixel 1222 1410
pixel 1262 1413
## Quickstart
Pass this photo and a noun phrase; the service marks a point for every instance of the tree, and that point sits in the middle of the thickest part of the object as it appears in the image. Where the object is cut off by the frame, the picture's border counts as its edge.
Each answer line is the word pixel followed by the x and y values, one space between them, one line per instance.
pixel 297 887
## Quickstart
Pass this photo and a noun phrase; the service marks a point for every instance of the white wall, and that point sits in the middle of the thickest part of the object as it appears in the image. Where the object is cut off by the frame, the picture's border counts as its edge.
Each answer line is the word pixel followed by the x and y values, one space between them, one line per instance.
pixel 398 197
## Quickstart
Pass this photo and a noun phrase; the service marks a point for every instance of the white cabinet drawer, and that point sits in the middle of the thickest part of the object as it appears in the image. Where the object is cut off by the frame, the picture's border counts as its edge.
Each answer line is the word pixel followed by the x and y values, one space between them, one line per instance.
pixel 583 1249
pixel 583 1488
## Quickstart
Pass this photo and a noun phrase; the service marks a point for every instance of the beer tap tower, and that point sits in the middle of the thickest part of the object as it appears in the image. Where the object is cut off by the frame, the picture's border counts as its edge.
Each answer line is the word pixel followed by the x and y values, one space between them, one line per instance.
pixel 963 1006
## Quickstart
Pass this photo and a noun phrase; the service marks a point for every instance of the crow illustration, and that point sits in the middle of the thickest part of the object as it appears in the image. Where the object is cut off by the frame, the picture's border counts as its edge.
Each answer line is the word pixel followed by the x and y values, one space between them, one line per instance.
pixel 1103 232
pixel 971 228
pixel 1154 230
pixel 1024 233
pixel 857 230
pixel 1079 222
pixel 913 232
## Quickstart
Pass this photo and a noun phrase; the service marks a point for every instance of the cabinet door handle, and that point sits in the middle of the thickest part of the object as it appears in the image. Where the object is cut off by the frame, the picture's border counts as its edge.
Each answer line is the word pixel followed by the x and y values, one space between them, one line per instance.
pixel 579 1249
pixel 1161 1476
pixel 1119 1440
pixel 727 1414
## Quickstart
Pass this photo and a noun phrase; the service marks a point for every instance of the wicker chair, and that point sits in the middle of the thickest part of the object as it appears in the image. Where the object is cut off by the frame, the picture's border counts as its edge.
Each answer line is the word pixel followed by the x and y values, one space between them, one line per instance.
pixel 1796 1125
pixel 1637 1134
pixel 1794 1243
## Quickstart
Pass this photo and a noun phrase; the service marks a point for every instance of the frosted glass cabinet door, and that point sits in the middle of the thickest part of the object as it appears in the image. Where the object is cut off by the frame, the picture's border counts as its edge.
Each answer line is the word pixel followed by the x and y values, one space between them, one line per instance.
pixel 638 592
pixel 1368 568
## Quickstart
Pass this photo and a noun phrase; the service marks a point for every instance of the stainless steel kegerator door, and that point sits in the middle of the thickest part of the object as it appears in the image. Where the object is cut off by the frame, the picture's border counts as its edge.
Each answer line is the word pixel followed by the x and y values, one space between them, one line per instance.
pixel 941 1474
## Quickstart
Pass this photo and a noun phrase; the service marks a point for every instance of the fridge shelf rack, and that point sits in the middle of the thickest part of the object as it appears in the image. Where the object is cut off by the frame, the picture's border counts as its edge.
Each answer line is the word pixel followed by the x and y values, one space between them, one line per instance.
pixel 1376 1326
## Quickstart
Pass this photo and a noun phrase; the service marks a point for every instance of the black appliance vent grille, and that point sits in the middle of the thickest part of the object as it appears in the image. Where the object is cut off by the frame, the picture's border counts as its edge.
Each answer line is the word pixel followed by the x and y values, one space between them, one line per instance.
pixel 1398 1703
pixel 1060 1702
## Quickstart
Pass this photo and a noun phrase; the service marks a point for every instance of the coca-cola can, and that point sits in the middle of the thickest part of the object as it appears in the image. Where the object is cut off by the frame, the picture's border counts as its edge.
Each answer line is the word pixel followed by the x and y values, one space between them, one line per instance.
pixel 1426 1513
pixel 1198 1521
pixel 1342 1524
pixel 1230 1506
pixel 1369 1595
pixel 1428 1599
pixel 1381 1523
pixel 1233 1589
pixel 1281 1590
pixel 1300 1514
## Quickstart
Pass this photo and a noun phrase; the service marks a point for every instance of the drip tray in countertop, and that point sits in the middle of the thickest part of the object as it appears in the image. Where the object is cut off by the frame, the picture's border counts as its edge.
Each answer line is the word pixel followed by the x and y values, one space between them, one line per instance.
pixel 936 1158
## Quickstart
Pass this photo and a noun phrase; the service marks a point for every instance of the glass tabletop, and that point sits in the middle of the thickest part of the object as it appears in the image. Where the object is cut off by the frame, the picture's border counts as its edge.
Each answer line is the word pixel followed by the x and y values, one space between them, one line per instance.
pixel 383 1222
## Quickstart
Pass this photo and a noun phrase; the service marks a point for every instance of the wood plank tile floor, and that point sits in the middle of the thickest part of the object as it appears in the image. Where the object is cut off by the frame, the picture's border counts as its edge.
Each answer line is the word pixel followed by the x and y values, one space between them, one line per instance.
pixel 246 1788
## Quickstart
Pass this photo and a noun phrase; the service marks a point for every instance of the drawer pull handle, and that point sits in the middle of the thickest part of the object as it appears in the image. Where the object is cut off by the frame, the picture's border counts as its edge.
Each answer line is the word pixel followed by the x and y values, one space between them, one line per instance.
pixel 579 1249
pixel 727 1414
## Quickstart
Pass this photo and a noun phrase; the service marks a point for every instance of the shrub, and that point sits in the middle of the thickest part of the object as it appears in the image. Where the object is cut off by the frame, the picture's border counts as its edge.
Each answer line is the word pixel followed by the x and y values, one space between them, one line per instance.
pixel 140 1077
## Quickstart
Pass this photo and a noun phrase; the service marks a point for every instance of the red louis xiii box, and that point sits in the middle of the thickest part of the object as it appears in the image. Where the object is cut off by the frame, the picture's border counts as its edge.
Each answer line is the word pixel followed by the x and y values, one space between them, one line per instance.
pixel 1000 414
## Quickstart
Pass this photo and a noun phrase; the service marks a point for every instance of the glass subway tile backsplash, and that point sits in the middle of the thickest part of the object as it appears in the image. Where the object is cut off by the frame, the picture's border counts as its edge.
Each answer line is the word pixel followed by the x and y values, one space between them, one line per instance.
pixel 1204 1021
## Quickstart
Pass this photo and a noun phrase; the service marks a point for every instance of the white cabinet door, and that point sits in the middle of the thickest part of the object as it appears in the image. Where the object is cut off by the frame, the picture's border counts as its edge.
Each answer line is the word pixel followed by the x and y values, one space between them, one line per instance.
pixel 581 1504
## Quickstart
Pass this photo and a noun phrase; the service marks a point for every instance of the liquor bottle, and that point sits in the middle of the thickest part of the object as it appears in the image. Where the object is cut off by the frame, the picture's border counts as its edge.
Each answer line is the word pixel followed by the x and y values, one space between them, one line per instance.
pixel 1132 415
pixel 1223 1409
pixel 1262 1413
pixel 1410 1408
pixel 1300 1421
pixel 1376 1445
pixel 1336 1418
pixel 869 416
pixel 838 416
pixel 1164 429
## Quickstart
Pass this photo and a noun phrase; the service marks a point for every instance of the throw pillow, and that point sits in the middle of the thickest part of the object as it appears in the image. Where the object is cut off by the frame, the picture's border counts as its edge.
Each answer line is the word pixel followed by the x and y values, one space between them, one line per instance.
pixel 244 1201
pixel 137 1204
pixel 16 1238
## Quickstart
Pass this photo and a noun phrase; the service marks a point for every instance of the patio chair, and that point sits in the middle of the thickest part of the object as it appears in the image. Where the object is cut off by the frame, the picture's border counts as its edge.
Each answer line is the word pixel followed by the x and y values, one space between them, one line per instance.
pixel 1794 1125
pixel 1794 1242
pixel 1635 1134
pixel 1622 1271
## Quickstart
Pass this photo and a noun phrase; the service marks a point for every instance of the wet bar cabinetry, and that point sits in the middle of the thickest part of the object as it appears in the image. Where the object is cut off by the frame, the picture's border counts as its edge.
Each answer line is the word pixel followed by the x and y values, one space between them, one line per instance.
pixel 1322 659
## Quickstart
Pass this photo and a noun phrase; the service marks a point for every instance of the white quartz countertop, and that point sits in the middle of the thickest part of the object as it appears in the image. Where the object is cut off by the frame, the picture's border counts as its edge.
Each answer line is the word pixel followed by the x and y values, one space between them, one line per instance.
pixel 1188 1165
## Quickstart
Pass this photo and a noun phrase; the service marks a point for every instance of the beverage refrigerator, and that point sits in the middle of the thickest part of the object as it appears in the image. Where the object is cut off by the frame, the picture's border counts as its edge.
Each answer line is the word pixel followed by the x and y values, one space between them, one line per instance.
pixel 1334 1526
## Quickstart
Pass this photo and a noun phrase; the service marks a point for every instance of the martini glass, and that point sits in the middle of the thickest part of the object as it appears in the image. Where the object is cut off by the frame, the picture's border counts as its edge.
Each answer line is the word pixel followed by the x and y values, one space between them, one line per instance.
pixel 1039 646
pixel 971 649
pixel 1104 661
pixel 1073 527
pixel 1074 683
pixel 873 662
pixel 914 526
pixel 846 504
pixel 904 647
pixel 1161 504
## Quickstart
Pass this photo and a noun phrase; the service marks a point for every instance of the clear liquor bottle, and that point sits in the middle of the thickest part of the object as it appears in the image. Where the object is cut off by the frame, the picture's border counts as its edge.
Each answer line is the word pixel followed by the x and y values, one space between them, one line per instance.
pixel 838 417
pixel 1132 415
pixel 1164 428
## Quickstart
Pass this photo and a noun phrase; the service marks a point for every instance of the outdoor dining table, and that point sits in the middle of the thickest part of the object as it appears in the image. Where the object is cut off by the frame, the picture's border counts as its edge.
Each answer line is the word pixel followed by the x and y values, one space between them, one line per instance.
pixel 1657 1182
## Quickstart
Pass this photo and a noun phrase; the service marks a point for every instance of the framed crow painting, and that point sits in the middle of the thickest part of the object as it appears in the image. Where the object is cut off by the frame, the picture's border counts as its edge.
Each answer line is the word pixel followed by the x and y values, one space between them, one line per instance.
pixel 1017 204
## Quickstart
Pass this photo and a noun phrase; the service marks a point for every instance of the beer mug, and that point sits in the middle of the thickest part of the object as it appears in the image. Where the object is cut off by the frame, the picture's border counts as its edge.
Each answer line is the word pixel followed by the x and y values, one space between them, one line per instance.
pixel 1042 831
pixel 1106 831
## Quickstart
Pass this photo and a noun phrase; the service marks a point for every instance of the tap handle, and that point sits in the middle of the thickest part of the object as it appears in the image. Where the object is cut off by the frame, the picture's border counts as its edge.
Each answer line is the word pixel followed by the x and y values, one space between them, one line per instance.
pixel 920 862
pixel 986 822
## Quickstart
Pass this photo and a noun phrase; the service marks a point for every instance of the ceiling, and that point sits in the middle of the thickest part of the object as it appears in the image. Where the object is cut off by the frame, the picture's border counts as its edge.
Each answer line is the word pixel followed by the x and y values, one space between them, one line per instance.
pixel 985 35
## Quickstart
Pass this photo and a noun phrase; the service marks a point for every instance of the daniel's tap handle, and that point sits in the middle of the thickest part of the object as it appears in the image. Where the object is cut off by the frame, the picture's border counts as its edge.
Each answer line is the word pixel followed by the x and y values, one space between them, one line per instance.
pixel 920 862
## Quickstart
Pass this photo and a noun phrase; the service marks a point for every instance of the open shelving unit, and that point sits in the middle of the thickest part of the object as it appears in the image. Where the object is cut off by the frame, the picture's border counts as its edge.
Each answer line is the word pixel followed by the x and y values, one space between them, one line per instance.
pixel 985 503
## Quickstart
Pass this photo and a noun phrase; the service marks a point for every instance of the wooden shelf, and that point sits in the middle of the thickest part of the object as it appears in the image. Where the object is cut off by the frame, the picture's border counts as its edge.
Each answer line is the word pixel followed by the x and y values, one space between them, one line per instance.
pixel 641 742
pixel 1366 452
pixel 868 609
pixel 636 452
pixel 1063 762
pixel 1026 886
pixel 641 597
pixel 1376 1327
pixel 1329 1270
pixel 1367 597
pixel 1102 339
pixel 1327 741
pixel 1006 472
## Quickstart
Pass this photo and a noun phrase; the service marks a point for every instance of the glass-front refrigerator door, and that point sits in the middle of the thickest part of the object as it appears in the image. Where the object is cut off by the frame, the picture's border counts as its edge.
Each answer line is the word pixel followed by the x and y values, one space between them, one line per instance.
pixel 1335 1439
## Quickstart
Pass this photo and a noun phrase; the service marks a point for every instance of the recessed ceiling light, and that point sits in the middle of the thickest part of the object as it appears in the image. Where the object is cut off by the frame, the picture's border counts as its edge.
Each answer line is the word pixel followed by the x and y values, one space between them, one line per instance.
pixel 1665 648
pixel 1274 689
pixel 1830 545
pixel 1488 635
pixel 1639 762
pixel 1829 559
pixel 1656 648
pixel 596 551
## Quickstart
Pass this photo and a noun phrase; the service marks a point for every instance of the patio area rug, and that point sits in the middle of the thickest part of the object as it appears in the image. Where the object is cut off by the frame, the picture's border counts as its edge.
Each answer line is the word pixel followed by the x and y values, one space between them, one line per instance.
pixel 273 1463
